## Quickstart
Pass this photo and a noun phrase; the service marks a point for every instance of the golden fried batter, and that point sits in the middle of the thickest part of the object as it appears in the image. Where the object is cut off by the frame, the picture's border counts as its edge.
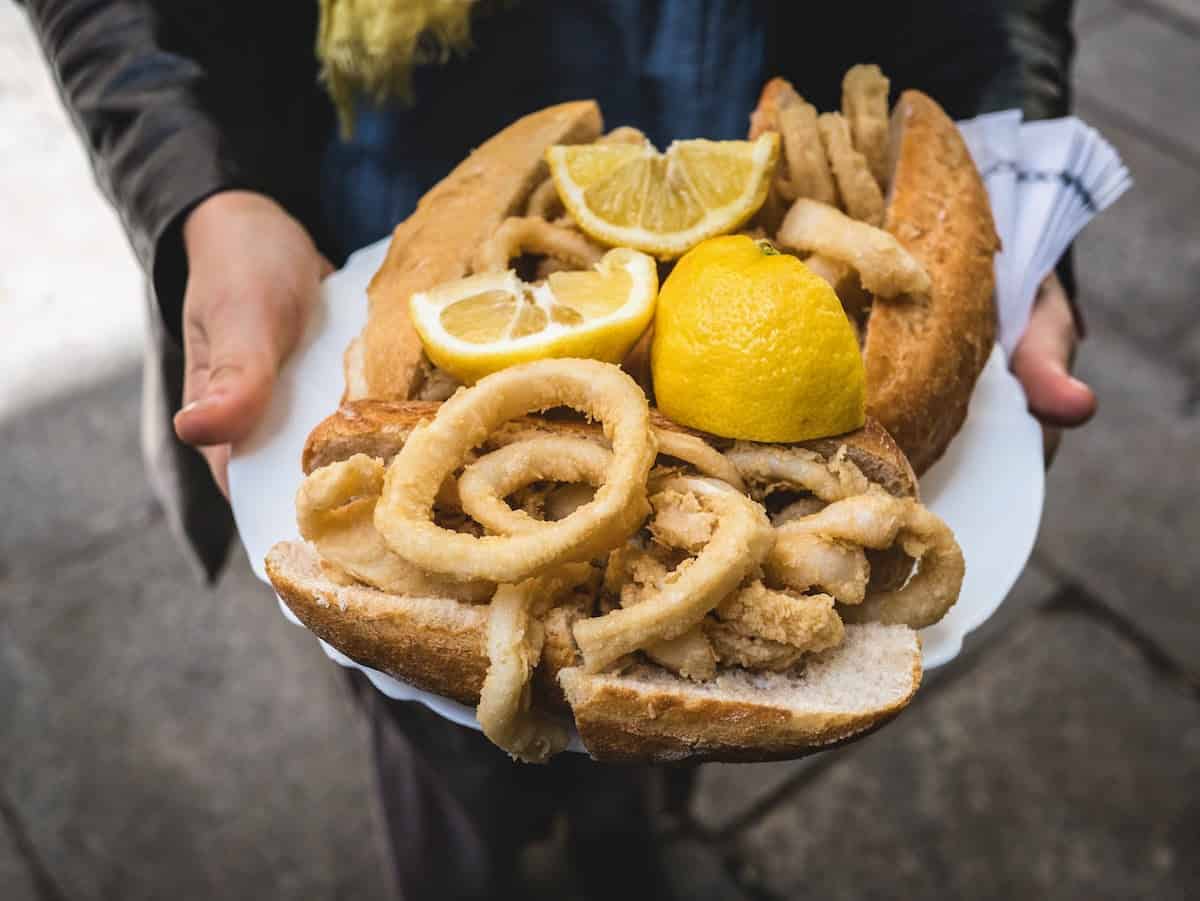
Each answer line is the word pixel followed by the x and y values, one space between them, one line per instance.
pixel 635 574
pixel 861 197
pixel 806 622
pixel 735 649
pixel 865 106
pixel 679 521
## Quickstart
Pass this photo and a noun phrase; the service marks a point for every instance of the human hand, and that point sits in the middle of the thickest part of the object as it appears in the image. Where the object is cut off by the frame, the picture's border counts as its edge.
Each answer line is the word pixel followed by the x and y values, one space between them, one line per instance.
pixel 1042 362
pixel 253 278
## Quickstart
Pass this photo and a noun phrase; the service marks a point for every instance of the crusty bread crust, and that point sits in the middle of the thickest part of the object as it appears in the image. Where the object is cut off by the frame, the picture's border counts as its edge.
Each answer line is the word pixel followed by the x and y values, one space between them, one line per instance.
pixel 438 644
pixel 436 242
pixel 380 428
pixel 924 355
pixel 377 428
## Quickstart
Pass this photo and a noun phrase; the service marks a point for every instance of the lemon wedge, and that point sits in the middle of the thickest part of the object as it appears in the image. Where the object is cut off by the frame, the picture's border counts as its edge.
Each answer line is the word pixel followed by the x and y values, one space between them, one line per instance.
pixel 477 325
pixel 631 195
pixel 750 343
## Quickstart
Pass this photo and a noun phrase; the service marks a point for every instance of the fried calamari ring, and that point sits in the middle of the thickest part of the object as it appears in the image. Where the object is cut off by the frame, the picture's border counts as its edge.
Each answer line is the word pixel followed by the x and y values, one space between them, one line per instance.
pixel 837 568
pixel 434 450
pixel 805 622
pixel 689 449
pixel 539 457
pixel 739 543
pixel 700 455
pixel 335 510
pixel 581 461
pixel 826 549
pixel 634 574
pixel 797 468
pixel 935 586
pixel 807 556
pixel 884 267
pixel 878 520
pixel 544 202
pixel 485 484
pixel 736 648
pixel 858 188
pixel 804 170
pixel 529 234
pixel 808 163
pixel 865 106
pixel 514 646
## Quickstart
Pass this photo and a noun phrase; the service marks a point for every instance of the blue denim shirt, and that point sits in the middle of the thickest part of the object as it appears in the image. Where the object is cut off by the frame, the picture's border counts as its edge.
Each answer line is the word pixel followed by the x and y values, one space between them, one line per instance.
pixel 673 68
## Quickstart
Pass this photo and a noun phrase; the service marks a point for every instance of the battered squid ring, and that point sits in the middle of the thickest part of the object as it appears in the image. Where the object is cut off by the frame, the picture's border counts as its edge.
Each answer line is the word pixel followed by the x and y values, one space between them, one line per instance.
pixel 335 509
pixel 485 484
pixel 517 235
pixel 796 467
pixel 878 520
pixel 514 646
pixel 699 454
pixel 538 457
pixel 544 202
pixel 933 589
pixel 807 554
pixel 739 544
pixel 404 514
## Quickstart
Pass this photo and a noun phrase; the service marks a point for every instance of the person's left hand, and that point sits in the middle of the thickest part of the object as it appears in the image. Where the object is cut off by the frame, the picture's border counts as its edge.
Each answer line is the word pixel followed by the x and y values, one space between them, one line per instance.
pixel 1042 363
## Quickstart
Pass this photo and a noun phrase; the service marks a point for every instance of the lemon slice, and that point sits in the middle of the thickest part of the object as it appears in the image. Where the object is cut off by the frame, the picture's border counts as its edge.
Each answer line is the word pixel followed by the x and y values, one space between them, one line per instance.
pixel 631 195
pixel 483 323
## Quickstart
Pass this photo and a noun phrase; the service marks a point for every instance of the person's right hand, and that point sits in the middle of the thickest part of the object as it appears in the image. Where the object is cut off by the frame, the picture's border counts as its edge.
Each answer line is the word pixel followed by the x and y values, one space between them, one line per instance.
pixel 253 278
pixel 1042 363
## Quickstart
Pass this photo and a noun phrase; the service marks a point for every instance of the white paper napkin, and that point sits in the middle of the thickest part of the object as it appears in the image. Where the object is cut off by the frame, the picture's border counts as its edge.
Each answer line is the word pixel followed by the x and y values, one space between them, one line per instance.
pixel 1046 180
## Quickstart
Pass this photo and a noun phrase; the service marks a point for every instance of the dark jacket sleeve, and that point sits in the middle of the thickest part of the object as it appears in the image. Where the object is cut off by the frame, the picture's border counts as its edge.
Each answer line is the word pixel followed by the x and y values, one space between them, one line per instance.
pixel 1000 55
pixel 1043 44
pixel 155 152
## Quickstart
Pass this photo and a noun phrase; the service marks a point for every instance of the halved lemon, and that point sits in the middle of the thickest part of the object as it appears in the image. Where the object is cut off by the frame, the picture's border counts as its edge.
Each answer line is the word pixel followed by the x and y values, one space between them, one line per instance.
pixel 631 195
pixel 750 343
pixel 484 323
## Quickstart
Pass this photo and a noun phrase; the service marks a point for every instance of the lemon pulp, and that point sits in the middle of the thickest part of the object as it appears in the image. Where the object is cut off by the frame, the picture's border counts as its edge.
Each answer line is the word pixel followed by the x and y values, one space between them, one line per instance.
pixel 473 326
pixel 663 203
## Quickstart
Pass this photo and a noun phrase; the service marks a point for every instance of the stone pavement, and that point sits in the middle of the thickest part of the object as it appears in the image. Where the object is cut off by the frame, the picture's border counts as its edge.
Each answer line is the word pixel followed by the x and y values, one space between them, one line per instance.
pixel 159 738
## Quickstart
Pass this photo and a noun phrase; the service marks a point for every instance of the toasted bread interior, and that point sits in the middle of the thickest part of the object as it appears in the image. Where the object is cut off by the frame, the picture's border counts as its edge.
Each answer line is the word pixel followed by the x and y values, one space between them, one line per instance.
pixel 642 713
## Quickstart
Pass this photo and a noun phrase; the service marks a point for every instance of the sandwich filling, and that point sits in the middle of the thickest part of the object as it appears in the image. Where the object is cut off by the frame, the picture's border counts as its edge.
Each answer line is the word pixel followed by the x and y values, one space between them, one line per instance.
pixel 750 558
pixel 633 546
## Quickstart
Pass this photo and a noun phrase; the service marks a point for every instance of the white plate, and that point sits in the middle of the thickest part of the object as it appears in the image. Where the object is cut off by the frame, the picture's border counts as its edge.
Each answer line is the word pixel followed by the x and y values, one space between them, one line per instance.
pixel 988 487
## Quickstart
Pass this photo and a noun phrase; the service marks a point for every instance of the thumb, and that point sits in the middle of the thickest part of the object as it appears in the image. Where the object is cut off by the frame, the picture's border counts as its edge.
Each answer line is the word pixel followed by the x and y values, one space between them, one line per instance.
pixel 1055 396
pixel 238 373
pixel 1042 360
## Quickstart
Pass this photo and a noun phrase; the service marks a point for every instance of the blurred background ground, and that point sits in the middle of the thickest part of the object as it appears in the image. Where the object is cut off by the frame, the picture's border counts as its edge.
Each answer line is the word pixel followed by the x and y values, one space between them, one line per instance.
pixel 158 738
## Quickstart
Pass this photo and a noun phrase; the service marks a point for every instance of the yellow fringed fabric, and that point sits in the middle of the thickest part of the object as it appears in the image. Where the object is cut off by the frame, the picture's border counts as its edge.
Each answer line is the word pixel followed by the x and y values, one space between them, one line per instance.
pixel 372 46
